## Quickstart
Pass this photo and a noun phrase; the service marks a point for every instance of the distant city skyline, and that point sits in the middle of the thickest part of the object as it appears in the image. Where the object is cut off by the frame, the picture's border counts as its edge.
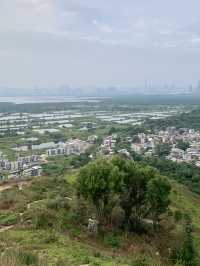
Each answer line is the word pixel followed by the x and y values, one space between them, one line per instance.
pixel 67 90
pixel 104 43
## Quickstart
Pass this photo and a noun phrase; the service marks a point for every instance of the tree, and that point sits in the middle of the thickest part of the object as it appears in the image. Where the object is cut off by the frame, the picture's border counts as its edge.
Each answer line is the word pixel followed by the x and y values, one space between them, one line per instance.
pixel 97 182
pixel 112 130
pixel 187 253
pixel 162 149
pixel 183 145
pixel 158 197
pixel 117 182
pixel 133 196
pixel 133 193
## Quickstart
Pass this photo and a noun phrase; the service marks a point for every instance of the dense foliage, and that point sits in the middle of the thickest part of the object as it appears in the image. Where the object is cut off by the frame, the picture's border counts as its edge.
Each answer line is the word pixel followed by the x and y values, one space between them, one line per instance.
pixel 184 173
pixel 139 191
pixel 184 120
pixel 183 145
pixel 162 150
pixel 184 251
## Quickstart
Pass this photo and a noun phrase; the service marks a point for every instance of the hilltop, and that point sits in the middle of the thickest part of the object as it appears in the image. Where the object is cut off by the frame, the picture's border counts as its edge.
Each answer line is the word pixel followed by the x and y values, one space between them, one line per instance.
pixel 42 225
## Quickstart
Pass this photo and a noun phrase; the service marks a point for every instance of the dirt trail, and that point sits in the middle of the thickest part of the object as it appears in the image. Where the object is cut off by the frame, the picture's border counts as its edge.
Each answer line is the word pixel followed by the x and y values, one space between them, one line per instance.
pixel 20 184
pixel 5 187
pixel 5 228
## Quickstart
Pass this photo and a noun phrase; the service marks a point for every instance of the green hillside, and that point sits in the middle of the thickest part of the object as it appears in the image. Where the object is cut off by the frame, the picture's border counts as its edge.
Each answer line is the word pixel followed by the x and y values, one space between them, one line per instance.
pixel 41 226
pixel 188 202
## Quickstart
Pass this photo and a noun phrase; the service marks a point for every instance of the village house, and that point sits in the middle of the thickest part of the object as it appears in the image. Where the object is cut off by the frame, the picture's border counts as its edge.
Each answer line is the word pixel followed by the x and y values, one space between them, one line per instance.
pixel 74 146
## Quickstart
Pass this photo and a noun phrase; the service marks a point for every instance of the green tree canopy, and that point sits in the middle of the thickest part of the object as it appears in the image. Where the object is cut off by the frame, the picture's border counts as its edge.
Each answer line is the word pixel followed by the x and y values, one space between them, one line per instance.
pixel 157 193
pixel 138 189
pixel 97 181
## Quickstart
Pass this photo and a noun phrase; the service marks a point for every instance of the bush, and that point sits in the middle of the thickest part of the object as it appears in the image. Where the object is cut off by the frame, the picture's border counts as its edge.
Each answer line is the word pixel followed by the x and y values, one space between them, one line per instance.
pixel 117 217
pixel 57 204
pixel 184 251
pixel 112 240
pixel 8 218
pixel 144 261
pixel 20 258
pixel 44 219
pixel 178 216
pixel 139 261
pixel 50 237
pixel 95 263
pixel 40 217
pixel 81 212
pixel 28 258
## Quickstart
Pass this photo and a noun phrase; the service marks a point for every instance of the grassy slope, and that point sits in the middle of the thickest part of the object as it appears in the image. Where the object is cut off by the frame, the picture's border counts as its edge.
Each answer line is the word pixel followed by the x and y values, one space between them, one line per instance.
pixel 188 202
pixel 73 247
pixel 66 248
pixel 63 248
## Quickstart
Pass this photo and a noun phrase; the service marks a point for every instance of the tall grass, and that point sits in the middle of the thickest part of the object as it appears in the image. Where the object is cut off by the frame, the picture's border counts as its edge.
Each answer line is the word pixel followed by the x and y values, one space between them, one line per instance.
pixel 20 258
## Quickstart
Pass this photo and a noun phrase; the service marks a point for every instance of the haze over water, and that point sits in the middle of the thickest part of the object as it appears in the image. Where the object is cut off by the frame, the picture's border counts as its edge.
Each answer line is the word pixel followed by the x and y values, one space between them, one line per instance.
pixel 47 99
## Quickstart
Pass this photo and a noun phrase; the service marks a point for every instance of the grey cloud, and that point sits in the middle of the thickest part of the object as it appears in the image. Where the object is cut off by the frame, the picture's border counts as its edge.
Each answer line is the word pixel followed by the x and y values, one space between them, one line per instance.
pixel 103 42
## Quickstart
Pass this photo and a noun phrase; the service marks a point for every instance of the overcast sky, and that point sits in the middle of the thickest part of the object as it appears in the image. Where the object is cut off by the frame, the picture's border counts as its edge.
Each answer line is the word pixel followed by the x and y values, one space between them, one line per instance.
pixel 99 42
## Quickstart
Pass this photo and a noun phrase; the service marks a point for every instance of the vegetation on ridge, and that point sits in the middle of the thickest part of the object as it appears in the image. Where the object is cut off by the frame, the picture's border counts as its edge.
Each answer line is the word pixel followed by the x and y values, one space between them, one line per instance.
pixel 53 213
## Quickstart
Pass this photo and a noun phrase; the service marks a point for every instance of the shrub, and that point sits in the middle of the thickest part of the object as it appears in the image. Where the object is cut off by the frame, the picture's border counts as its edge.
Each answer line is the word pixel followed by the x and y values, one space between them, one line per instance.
pixel 145 261
pixel 117 217
pixel 178 216
pixel 44 219
pixel 57 204
pixel 112 240
pixel 81 212
pixel 40 217
pixel 20 258
pixel 139 261
pixel 8 218
pixel 95 263
pixel 28 258
pixel 50 237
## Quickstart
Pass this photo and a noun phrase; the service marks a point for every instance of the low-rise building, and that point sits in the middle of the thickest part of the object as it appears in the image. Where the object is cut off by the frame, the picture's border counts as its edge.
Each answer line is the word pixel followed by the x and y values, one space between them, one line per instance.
pixel 92 139
pixel 74 146
pixel 137 147
pixel 33 171
pixel 108 145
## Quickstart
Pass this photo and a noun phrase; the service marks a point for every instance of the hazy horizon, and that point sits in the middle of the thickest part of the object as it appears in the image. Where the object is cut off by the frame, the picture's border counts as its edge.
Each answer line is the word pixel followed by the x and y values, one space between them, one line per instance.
pixel 48 43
